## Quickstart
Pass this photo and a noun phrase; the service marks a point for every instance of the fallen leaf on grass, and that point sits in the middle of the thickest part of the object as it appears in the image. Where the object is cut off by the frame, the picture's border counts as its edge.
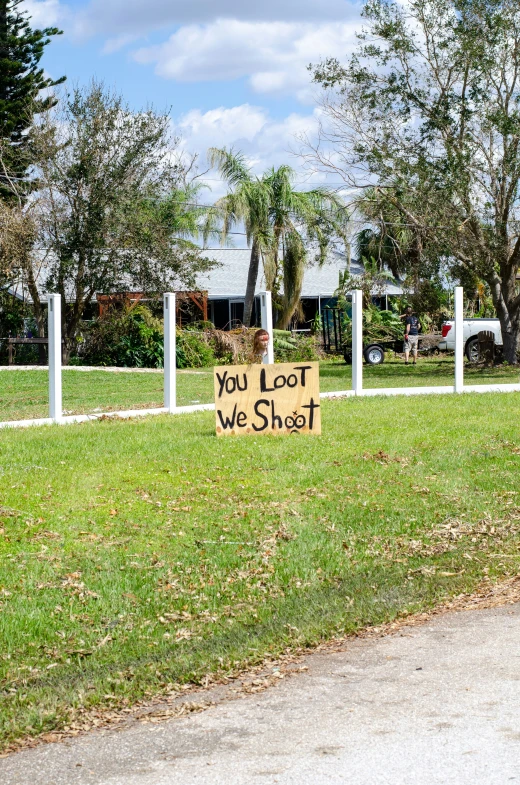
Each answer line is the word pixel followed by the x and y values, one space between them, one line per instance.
pixel 47 535
pixel 105 640
pixel 451 574
pixel 79 652
pixel 184 635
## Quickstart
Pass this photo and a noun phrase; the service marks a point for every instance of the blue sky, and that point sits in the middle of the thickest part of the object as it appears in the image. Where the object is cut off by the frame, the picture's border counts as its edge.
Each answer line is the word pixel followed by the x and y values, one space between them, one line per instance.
pixel 232 72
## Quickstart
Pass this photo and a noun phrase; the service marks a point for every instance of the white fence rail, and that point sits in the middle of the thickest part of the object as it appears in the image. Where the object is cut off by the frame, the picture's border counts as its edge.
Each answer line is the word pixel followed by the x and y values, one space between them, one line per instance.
pixel 357 342
pixel 170 380
pixel 266 315
pixel 170 354
pixel 459 340
pixel 55 357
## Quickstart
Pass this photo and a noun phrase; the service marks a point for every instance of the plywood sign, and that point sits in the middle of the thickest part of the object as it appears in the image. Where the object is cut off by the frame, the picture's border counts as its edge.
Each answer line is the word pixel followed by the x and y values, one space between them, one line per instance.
pixel 255 399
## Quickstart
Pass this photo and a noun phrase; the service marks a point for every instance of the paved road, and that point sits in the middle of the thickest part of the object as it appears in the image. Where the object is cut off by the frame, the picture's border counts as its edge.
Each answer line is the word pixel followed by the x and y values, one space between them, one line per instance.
pixel 432 704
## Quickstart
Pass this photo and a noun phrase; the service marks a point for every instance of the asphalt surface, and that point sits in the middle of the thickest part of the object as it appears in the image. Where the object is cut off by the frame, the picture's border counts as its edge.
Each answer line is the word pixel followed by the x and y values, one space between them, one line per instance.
pixel 433 704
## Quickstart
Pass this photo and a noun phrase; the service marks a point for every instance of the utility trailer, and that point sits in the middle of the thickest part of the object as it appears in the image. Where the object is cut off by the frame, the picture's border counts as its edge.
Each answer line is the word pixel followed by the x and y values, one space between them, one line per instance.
pixel 335 341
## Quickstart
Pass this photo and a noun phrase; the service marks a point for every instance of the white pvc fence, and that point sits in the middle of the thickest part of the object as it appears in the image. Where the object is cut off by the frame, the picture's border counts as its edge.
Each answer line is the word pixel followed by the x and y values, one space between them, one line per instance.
pixel 170 381
pixel 458 385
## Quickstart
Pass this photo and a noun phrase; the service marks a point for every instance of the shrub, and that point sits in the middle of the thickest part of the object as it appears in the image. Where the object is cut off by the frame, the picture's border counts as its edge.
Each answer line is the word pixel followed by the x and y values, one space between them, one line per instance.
pixel 290 348
pixel 193 350
pixel 16 319
pixel 377 326
pixel 135 339
pixel 231 347
pixel 132 339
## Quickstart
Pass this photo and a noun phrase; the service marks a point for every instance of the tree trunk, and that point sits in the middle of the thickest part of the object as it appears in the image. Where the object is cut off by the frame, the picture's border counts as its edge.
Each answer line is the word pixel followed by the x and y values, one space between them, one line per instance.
pixel 252 278
pixel 508 315
pixel 3 43
pixel 39 313
pixel 69 328
pixel 511 342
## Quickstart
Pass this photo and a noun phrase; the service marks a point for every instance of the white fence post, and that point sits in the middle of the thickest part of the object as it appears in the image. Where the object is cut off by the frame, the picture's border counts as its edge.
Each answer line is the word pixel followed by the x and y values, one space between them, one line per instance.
pixel 170 352
pixel 55 359
pixel 459 339
pixel 266 309
pixel 357 341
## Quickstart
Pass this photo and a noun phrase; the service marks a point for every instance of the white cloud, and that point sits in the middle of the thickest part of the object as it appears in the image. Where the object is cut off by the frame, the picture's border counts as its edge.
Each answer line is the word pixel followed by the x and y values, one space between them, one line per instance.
pixel 118 42
pixel 249 129
pixel 45 13
pixel 274 55
pixel 222 127
pixel 116 17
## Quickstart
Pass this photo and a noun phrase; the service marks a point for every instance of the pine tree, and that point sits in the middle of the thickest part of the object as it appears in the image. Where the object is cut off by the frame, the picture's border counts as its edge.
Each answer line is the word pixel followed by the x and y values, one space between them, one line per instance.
pixel 21 83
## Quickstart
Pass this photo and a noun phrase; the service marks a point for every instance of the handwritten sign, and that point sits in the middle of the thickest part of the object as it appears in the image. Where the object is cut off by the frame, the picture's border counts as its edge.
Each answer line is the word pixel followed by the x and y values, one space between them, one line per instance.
pixel 256 399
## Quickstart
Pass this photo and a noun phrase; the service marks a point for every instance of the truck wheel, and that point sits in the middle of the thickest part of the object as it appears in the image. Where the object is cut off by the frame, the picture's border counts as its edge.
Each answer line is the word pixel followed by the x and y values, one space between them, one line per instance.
pixel 374 355
pixel 472 352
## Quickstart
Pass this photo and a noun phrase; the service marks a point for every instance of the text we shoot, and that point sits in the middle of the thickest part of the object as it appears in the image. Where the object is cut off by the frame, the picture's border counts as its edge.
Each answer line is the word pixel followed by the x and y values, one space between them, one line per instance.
pixel 257 399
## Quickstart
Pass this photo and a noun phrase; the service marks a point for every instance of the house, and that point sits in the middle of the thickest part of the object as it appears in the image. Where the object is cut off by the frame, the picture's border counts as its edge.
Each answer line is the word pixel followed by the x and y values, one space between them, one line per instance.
pixel 220 292
pixel 191 305
pixel 226 286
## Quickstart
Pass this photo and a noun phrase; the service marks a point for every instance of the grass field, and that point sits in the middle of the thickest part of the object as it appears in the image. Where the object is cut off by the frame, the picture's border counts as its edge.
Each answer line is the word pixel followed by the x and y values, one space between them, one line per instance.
pixel 142 555
pixel 23 394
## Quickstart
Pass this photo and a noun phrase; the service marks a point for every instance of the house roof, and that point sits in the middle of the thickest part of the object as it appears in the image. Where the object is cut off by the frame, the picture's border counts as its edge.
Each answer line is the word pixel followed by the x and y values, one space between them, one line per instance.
pixel 229 278
pixel 20 290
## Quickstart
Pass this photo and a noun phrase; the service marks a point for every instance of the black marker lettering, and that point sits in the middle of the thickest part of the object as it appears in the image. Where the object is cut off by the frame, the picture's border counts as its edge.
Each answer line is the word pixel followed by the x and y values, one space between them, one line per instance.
pixel 261 402
pixel 221 381
pixel 263 384
pixel 244 388
pixel 242 420
pixel 225 422
pixel 292 381
pixel 303 368
pixel 279 382
pixel 275 418
pixel 311 407
pixel 230 388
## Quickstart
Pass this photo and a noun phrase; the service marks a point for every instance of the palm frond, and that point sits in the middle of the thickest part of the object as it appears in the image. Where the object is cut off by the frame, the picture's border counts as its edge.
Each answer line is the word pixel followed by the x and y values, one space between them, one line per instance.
pixel 231 165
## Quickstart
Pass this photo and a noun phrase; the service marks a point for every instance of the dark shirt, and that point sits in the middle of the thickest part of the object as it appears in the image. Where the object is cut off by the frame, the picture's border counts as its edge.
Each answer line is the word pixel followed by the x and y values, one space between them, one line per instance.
pixel 413 321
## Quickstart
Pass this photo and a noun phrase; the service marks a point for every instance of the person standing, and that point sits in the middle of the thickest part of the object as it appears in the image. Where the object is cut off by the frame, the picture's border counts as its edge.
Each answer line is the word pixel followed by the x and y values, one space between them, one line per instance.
pixel 411 335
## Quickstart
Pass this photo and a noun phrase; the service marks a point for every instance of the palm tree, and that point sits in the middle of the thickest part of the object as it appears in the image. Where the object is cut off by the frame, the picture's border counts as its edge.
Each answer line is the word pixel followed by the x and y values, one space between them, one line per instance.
pixel 280 223
pixel 298 220
pixel 247 203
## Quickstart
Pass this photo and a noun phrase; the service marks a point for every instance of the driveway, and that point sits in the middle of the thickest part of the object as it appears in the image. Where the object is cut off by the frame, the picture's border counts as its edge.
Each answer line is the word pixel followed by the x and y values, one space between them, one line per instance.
pixel 437 703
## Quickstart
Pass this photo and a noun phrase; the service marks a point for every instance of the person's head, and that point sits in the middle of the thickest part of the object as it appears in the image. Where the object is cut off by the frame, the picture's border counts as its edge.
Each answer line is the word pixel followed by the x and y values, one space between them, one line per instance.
pixel 409 310
pixel 260 342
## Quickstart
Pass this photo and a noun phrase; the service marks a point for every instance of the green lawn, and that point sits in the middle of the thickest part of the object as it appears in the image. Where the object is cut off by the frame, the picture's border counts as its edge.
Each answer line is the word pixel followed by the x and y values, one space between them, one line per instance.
pixel 140 555
pixel 23 394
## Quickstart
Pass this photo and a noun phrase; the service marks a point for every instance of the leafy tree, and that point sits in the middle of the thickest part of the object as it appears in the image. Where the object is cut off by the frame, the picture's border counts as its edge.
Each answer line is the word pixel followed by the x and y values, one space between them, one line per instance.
pixel 21 84
pixel 428 109
pixel 281 223
pixel 108 213
pixel 390 240
pixel 17 236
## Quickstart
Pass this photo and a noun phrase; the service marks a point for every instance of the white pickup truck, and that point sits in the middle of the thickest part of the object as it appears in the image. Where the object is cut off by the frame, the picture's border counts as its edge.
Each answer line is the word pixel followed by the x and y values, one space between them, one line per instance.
pixel 471 329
